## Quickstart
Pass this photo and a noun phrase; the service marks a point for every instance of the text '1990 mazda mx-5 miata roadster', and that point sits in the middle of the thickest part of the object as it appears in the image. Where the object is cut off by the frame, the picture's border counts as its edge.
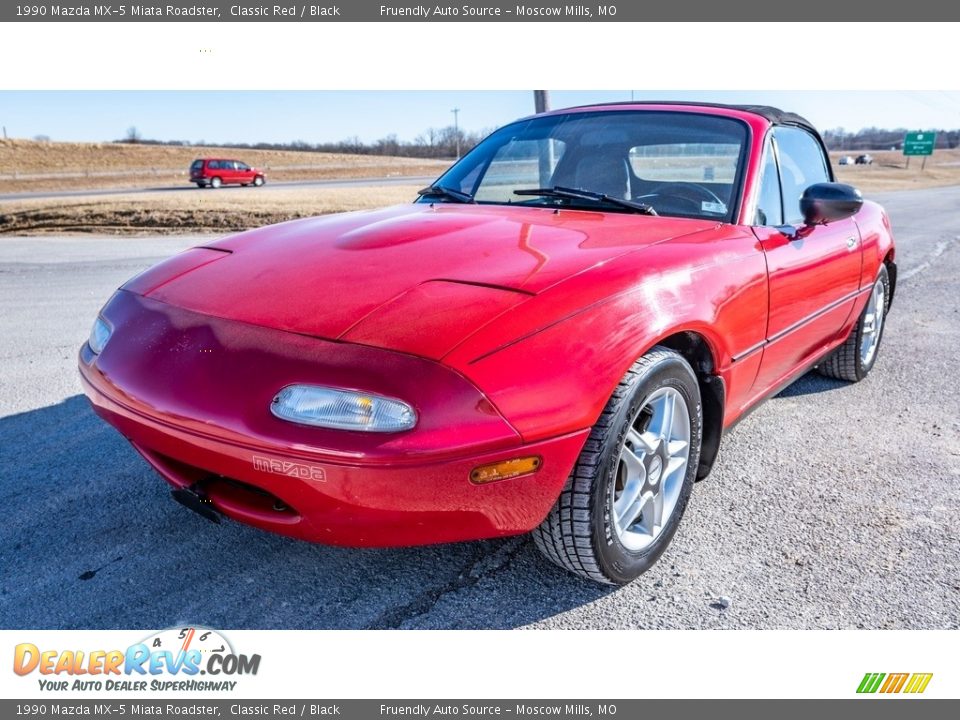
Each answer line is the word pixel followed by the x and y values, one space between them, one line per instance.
pixel 553 338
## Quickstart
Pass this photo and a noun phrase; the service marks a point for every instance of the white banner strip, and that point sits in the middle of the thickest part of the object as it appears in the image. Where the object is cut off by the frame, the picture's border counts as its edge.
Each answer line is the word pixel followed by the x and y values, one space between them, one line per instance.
pixel 480 56
pixel 510 664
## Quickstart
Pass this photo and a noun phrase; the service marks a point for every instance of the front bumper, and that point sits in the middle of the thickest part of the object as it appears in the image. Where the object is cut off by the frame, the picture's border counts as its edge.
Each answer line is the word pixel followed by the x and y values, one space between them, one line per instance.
pixel 181 388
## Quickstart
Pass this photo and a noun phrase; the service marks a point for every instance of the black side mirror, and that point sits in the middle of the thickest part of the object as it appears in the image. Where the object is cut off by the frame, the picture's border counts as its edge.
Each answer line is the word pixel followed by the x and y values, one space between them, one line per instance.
pixel 823 203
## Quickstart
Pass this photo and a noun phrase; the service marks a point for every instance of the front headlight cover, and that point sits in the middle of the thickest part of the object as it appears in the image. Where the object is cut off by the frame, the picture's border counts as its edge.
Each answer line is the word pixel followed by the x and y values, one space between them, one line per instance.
pixel 99 335
pixel 342 409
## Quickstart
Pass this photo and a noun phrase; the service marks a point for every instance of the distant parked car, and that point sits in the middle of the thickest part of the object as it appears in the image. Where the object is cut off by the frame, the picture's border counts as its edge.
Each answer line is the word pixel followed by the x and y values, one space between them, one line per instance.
pixel 845 160
pixel 214 172
pixel 864 159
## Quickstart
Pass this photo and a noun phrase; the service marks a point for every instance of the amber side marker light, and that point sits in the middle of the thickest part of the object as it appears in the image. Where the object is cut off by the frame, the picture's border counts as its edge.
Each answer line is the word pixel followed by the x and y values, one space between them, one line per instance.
pixel 505 469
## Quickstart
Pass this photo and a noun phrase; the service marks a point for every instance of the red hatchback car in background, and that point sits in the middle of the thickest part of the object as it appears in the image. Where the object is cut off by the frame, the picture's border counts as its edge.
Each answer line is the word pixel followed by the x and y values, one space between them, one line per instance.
pixel 552 339
pixel 214 172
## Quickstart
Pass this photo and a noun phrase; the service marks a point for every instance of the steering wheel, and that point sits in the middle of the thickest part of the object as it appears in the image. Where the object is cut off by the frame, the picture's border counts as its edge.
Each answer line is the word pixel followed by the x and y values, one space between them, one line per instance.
pixel 688 192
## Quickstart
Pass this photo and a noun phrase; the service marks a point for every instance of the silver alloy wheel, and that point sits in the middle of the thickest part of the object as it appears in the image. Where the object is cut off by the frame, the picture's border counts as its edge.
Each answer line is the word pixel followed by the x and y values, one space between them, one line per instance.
pixel 651 469
pixel 258 181
pixel 872 323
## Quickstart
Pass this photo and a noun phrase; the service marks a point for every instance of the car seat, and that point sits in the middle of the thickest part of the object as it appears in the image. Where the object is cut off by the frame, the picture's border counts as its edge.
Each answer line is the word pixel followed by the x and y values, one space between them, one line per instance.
pixel 603 172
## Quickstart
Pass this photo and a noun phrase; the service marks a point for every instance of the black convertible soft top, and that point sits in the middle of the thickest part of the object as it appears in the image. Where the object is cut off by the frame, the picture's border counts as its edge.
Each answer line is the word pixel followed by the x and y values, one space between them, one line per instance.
pixel 775 115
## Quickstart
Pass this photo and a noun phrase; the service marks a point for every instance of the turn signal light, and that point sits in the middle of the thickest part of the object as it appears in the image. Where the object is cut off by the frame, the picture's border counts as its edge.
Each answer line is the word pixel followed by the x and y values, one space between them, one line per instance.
pixel 505 469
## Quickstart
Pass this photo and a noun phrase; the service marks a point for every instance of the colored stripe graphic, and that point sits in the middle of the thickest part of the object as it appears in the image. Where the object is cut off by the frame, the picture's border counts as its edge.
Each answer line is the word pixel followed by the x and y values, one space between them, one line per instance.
pixel 894 683
pixel 870 682
pixel 918 682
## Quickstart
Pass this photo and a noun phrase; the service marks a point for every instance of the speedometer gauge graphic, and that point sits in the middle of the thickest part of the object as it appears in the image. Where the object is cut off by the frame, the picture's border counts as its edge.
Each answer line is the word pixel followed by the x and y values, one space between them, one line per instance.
pixel 186 638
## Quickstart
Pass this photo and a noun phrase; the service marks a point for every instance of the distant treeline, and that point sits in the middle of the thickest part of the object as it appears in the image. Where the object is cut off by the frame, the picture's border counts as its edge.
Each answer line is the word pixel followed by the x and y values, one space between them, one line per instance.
pixel 433 143
pixel 881 139
pixel 442 142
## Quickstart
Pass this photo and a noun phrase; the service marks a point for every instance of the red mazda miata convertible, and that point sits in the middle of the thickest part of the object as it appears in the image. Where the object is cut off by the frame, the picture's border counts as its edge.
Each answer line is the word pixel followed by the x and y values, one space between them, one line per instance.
pixel 553 338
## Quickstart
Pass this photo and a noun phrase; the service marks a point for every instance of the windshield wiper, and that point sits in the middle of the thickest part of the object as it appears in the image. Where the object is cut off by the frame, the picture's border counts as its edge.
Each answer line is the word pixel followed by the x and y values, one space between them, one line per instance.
pixel 447 193
pixel 578 194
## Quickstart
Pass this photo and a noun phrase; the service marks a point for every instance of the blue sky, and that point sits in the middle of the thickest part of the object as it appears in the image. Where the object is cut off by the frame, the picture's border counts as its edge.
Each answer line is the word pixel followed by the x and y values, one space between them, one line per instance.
pixel 319 116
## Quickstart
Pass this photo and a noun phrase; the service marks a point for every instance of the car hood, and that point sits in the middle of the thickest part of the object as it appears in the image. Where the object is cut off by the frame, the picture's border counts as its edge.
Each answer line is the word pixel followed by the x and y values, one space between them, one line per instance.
pixel 416 278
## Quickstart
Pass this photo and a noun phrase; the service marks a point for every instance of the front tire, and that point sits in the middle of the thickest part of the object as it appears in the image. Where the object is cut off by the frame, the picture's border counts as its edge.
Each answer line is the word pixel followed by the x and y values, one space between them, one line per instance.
pixel 854 360
pixel 624 500
pixel 258 181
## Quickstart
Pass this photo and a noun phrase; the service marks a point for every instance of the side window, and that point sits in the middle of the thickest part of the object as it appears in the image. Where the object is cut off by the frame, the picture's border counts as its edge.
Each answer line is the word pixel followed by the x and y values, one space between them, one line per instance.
pixel 802 164
pixel 214 164
pixel 769 203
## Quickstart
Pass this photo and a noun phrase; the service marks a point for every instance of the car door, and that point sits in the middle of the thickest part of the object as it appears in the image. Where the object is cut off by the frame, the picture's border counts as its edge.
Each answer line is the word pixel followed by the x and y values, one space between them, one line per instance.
pixel 229 171
pixel 244 174
pixel 814 272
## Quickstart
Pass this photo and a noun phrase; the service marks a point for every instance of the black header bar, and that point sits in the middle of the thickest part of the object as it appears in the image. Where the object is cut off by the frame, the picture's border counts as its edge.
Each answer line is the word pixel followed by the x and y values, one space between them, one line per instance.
pixel 205 706
pixel 814 11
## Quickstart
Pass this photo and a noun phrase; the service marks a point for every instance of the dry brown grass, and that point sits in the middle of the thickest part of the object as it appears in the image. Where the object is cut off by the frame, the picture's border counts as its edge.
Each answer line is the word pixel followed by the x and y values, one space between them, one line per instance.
pixel 239 209
pixel 191 212
pixel 889 171
pixel 27 165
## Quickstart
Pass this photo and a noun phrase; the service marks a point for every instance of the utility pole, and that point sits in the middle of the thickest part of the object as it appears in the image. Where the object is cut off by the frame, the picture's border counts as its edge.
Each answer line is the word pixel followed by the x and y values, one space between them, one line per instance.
pixel 541 101
pixel 456 128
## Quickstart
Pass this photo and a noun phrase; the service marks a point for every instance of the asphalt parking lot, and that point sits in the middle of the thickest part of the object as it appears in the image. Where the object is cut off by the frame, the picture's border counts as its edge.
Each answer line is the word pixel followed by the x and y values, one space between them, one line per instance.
pixel 832 506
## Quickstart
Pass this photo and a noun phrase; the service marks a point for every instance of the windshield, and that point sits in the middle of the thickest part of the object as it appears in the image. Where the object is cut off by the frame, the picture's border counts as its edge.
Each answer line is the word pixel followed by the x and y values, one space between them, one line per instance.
pixel 673 163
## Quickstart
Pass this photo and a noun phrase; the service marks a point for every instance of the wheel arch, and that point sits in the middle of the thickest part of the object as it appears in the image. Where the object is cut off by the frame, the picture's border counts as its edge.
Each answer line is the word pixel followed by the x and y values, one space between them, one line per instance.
pixel 888 261
pixel 577 379
pixel 696 350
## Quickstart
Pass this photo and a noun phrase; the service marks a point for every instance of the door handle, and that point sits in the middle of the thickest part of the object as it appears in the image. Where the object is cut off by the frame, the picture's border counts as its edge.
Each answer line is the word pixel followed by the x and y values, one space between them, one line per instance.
pixel 851 243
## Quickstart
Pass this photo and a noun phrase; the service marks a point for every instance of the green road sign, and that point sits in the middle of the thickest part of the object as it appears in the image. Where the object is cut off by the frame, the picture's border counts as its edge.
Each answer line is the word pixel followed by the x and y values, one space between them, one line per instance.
pixel 919 143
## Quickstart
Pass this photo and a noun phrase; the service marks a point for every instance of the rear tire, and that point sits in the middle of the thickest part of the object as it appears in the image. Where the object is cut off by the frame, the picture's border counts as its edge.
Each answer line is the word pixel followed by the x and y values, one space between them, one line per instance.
pixel 625 462
pixel 216 183
pixel 854 360
pixel 201 185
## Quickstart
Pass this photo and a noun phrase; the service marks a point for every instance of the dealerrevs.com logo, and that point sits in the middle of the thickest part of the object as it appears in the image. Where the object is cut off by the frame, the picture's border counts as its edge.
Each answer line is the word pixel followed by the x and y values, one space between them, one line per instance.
pixel 179 659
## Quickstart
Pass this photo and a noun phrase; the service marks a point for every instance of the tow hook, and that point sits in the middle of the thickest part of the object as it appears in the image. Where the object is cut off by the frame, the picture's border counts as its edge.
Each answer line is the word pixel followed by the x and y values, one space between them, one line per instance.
pixel 196 499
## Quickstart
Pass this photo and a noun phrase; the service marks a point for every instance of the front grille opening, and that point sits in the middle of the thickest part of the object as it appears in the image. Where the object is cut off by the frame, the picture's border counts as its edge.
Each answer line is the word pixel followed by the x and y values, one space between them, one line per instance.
pixel 251 494
pixel 228 495
pixel 249 501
